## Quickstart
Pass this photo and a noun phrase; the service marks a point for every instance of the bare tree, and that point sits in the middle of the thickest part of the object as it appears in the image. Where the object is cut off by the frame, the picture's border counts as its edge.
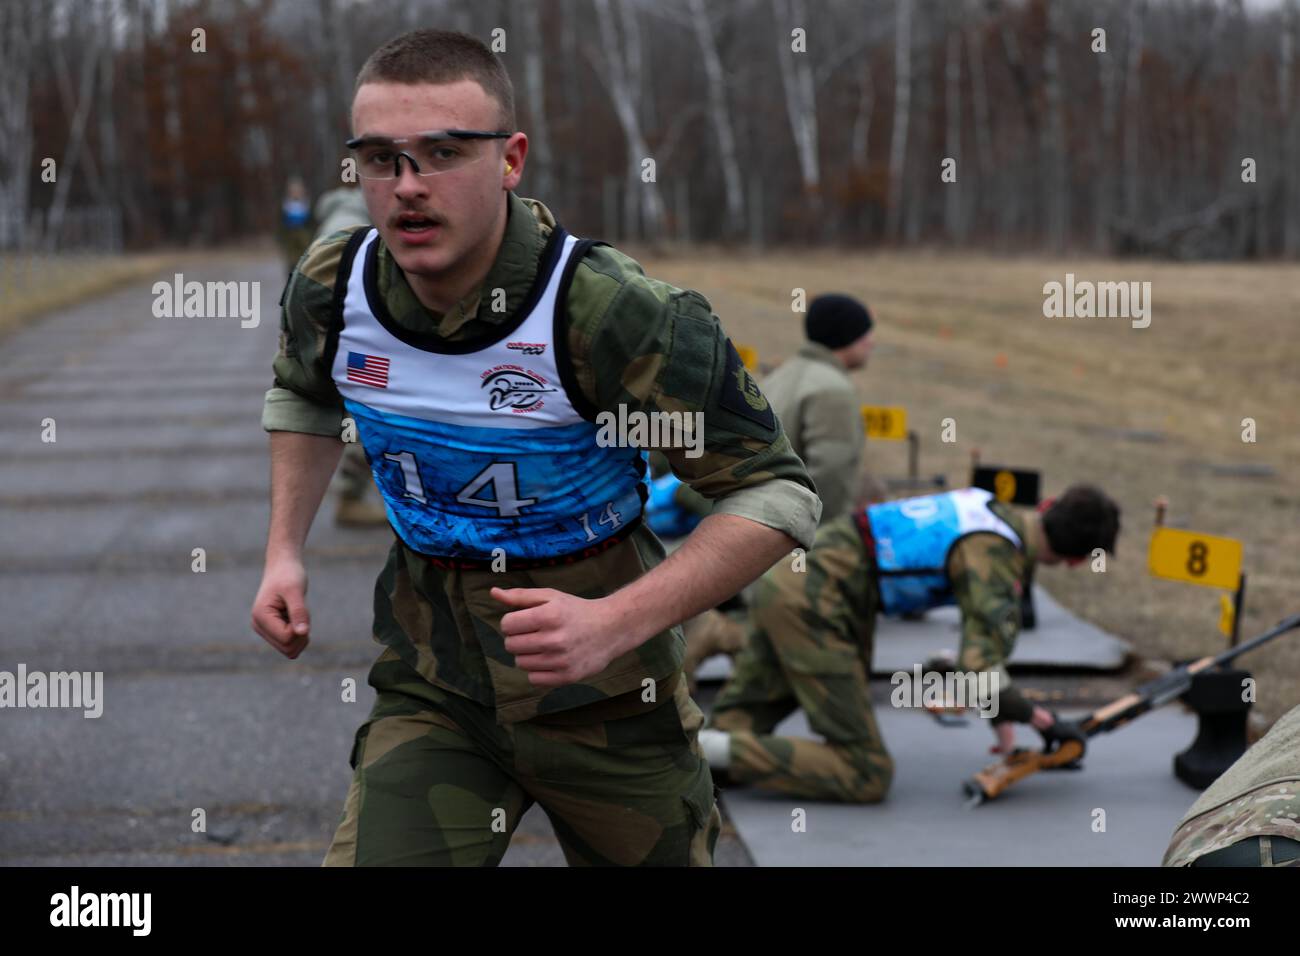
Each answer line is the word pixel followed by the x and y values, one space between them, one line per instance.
pixel 953 224
pixel 76 139
pixel 617 63
pixel 17 50
pixel 902 112
pixel 1132 107
pixel 1055 175
pixel 1285 82
pixel 540 155
pixel 1104 179
pixel 800 97
pixel 983 121
pixel 860 141
pixel 720 119
pixel 920 191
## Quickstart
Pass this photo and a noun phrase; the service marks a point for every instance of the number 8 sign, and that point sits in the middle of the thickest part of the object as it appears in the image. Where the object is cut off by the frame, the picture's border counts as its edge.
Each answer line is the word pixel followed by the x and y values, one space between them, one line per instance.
pixel 1197 558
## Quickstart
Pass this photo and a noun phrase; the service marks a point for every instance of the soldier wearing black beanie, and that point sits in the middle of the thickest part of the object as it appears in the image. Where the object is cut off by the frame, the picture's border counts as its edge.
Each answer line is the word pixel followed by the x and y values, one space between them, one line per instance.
pixel 817 401
pixel 835 320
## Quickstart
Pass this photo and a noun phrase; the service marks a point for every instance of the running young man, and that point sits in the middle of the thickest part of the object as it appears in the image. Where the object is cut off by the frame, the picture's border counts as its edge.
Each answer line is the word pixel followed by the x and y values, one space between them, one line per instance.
pixel 528 617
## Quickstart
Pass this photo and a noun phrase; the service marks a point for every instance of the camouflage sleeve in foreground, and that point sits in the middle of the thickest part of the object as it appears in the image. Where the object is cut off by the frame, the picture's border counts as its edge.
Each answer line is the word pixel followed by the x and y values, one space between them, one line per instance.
pixel 648 346
pixel 304 397
pixel 987 573
pixel 1257 796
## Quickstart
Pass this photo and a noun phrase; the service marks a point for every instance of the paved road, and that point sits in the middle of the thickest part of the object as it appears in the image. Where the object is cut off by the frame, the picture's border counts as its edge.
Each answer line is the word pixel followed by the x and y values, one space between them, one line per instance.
pixel 158 451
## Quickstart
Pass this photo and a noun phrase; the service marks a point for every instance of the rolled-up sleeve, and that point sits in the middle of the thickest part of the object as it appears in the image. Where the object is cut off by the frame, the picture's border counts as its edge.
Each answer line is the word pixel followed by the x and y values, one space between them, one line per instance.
pixel 287 411
pixel 303 397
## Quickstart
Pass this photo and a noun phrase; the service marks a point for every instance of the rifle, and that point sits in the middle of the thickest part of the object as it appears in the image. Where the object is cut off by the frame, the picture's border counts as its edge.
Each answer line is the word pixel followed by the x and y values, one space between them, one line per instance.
pixel 1065 750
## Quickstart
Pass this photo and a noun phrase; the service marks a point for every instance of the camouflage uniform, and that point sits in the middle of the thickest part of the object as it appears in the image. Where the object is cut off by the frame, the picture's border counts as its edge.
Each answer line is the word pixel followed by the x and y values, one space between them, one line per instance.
pixel 620 774
pixel 337 210
pixel 810 642
pixel 819 408
pixel 1250 816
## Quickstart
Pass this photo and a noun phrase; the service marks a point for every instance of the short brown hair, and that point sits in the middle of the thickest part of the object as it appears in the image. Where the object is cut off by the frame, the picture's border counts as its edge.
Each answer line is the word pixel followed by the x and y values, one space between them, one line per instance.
pixel 442 56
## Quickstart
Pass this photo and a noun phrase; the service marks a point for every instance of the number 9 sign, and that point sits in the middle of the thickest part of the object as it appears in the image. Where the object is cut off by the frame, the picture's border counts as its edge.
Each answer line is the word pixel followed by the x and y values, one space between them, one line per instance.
pixel 1004 486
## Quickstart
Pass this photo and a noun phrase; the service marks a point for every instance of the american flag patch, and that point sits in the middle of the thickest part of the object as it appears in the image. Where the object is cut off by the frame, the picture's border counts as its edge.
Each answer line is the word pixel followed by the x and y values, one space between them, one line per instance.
pixel 367 370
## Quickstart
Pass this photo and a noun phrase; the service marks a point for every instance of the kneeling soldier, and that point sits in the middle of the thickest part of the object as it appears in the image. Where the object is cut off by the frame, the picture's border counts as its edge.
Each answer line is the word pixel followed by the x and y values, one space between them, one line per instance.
pixel 811 630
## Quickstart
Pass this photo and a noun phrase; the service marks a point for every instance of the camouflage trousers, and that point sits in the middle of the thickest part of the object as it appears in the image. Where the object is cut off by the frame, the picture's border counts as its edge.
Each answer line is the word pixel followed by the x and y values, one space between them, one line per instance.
pixel 438 782
pixel 809 646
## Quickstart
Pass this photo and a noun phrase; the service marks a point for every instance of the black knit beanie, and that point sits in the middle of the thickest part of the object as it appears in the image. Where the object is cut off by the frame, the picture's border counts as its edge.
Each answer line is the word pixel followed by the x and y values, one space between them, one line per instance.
pixel 836 320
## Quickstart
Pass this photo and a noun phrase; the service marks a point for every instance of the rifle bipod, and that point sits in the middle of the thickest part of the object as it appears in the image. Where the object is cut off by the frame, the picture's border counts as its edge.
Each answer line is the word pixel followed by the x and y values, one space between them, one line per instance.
pixel 1020 763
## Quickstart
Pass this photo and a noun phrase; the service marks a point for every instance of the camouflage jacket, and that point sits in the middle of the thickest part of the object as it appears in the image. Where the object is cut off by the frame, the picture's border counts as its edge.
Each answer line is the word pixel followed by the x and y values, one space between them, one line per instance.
pixel 818 405
pixel 988 576
pixel 1259 795
pixel 633 340
pixel 987 573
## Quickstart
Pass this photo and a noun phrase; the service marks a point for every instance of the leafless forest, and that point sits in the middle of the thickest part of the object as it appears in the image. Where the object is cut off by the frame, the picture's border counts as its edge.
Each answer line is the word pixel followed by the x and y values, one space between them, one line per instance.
pixel 1128 127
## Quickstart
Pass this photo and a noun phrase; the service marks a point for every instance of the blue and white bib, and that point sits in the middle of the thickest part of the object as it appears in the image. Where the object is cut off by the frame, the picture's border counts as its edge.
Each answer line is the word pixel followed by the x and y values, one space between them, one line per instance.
pixel 914 537
pixel 479 450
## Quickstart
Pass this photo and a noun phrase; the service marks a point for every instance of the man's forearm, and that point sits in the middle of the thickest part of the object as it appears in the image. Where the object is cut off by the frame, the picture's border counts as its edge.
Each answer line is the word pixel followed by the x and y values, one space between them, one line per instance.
pixel 301 467
pixel 722 555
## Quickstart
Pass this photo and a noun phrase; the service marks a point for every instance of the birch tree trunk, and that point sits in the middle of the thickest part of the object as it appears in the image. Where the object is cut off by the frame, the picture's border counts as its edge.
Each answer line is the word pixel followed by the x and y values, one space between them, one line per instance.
pixel 720 119
pixel 800 101
pixel 619 87
pixel 76 142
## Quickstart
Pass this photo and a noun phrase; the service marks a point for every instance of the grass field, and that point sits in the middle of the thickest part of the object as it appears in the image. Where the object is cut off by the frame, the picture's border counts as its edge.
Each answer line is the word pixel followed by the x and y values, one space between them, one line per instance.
pixel 34 284
pixel 1141 412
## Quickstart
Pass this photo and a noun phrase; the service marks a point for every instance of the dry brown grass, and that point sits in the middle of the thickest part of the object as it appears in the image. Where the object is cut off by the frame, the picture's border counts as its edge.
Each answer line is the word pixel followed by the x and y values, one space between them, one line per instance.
pixel 1074 399
pixel 33 284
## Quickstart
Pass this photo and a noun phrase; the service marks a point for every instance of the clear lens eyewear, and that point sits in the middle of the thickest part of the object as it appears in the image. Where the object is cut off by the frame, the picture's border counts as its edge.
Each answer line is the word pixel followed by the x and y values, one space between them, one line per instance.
pixel 429 154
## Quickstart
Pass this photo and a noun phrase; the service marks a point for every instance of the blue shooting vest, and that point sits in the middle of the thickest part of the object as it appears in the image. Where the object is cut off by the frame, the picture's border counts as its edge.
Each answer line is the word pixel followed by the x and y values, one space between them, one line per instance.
pixel 913 538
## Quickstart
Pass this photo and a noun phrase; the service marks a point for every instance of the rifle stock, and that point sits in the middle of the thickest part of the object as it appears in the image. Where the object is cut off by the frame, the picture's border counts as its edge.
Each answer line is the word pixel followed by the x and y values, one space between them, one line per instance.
pixel 997 777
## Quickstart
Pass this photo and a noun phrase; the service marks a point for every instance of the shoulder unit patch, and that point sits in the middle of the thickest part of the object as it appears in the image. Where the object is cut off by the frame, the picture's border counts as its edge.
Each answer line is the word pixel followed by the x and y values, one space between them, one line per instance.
pixel 741 394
